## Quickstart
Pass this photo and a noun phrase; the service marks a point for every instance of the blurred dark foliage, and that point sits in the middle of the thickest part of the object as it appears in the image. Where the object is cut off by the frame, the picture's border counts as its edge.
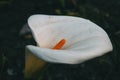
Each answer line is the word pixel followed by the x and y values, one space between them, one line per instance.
pixel 14 14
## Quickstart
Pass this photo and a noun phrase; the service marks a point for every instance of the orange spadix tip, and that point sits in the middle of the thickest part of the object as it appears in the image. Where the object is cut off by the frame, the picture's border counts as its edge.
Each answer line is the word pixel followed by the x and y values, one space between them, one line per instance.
pixel 60 44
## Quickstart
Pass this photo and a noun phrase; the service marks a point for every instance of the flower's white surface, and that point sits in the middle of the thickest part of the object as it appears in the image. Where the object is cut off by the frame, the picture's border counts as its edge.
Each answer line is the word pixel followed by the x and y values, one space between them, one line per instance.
pixel 85 40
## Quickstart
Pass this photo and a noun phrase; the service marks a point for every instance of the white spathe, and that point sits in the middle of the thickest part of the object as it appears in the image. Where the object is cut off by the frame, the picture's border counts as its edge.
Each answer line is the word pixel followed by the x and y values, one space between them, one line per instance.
pixel 85 40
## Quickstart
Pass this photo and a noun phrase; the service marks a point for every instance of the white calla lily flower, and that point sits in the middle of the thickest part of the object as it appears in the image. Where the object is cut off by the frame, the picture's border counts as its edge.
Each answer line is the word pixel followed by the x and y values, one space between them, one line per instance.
pixel 84 39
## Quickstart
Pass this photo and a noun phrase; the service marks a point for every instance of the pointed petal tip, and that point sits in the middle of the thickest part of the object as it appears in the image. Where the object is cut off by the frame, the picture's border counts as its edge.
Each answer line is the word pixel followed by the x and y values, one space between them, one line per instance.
pixel 31 48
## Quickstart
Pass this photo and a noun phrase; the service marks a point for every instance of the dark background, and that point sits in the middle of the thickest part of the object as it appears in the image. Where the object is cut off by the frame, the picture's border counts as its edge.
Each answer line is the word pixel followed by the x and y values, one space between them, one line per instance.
pixel 14 14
